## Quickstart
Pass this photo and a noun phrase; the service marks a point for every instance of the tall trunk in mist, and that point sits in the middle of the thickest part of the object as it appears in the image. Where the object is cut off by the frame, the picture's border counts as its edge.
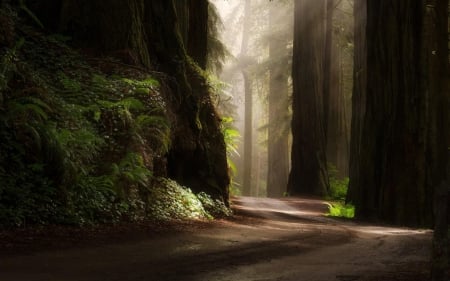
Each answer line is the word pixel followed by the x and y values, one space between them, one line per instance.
pixel 309 170
pixel 327 62
pixel 248 118
pixel 278 151
pixel 358 98
pixel 400 122
pixel 337 140
pixel 148 33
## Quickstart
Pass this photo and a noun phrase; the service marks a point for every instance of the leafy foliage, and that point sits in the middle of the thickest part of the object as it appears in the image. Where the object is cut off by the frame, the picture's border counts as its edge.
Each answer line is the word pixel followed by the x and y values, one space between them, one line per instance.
pixel 338 193
pixel 214 207
pixel 338 187
pixel 337 209
pixel 76 147
pixel 169 200
pixel 231 137
pixel 80 139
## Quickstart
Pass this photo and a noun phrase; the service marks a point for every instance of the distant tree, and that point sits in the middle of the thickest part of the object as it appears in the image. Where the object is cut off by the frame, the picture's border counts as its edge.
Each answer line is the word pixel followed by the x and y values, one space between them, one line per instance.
pixel 248 93
pixel 337 55
pixel 278 100
pixel 309 169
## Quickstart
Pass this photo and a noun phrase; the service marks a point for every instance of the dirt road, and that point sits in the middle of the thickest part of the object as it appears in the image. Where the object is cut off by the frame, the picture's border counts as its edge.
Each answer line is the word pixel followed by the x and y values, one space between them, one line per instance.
pixel 282 240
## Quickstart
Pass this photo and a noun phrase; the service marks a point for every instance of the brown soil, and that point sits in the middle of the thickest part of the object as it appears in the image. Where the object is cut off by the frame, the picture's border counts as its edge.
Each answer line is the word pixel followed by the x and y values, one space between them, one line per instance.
pixel 267 239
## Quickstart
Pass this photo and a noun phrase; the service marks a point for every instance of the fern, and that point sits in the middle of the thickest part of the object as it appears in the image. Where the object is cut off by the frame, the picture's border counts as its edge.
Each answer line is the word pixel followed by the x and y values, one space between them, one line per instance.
pixel 7 67
pixel 146 83
pixel 70 85
pixel 156 128
pixel 132 170
pixel 30 13
pixel 27 108
pixel 130 104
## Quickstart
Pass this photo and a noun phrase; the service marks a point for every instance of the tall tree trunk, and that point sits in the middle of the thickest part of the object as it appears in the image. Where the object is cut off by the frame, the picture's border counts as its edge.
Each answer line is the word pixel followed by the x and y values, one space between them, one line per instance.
pixel 309 171
pixel 358 100
pixel 248 119
pixel 192 22
pixel 197 157
pixel 396 164
pixel 337 138
pixel 278 151
pixel 182 11
pixel 327 63
pixel 337 147
pixel 436 58
pixel 197 44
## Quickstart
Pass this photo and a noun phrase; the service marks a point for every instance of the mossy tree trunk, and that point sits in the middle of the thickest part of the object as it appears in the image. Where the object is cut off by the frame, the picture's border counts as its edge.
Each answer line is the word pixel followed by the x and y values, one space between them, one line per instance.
pixel 149 33
pixel 197 157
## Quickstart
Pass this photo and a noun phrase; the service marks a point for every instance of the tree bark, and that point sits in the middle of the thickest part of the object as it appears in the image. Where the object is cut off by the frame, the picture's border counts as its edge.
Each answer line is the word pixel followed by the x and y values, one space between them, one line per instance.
pixel 309 171
pixel 395 163
pixel 197 44
pixel 436 58
pixel 358 100
pixel 197 157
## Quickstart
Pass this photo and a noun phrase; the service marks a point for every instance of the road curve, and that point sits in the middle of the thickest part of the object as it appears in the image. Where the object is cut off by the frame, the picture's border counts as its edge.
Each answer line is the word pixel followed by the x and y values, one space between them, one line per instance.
pixel 268 240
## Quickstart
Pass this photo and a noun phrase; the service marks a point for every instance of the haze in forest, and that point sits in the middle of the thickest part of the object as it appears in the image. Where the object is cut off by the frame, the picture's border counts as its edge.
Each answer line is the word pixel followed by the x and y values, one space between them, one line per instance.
pixel 259 38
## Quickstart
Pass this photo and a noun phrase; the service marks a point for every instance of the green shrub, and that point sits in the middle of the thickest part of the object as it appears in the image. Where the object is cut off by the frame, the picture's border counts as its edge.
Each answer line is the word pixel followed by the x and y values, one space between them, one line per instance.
pixel 168 200
pixel 215 207
pixel 338 187
pixel 337 209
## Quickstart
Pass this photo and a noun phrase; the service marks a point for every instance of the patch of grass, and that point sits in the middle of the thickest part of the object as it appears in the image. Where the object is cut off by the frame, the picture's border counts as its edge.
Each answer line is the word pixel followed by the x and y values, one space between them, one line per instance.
pixel 338 209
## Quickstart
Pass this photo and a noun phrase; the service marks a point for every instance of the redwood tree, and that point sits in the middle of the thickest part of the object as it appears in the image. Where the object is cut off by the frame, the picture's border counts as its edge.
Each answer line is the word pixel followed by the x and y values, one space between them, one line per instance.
pixel 278 102
pixel 151 35
pixel 400 126
pixel 248 119
pixel 309 170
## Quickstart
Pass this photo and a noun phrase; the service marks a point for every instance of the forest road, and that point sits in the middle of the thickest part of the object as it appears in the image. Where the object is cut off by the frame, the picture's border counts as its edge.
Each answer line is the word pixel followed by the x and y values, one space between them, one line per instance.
pixel 268 240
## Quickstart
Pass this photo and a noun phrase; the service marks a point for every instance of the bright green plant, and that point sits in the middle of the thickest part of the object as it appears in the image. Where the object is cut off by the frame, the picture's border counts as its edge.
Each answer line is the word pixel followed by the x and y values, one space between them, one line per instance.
pixel 231 137
pixel 338 193
pixel 337 209
pixel 338 187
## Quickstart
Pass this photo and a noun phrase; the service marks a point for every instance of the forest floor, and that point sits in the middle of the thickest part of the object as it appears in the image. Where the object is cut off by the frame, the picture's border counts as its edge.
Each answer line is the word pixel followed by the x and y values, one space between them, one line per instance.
pixel 267 240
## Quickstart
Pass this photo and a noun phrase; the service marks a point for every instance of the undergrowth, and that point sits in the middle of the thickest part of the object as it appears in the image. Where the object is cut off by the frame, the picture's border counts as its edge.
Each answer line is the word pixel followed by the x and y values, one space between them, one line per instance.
pixel 79 141
pixel 337 196
pixel 169 200
pixel 339 209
